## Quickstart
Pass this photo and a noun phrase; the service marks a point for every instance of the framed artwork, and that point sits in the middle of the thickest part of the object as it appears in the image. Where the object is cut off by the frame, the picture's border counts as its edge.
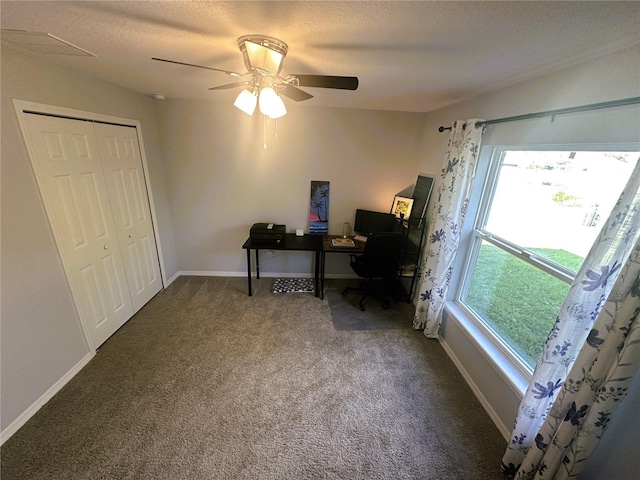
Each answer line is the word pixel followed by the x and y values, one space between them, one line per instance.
pixel 402 207
pixel 319 208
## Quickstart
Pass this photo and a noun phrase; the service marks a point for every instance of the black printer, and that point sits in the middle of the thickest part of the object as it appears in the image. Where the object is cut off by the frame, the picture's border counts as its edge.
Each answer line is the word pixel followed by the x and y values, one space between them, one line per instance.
pixel 267 233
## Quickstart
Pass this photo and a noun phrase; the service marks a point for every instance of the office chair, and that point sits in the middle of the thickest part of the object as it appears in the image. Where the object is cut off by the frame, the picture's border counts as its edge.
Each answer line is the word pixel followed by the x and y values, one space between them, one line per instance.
pixel 380 261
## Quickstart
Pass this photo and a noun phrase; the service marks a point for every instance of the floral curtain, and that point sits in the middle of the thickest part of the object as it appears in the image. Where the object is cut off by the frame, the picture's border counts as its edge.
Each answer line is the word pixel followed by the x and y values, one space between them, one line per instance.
pixel 589 358
pixel 445 221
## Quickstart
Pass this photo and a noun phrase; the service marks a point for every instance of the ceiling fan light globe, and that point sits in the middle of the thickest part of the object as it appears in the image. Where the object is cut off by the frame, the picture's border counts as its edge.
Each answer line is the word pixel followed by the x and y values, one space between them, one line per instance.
pixel 271 104
pixel 246 101
pixel 279 111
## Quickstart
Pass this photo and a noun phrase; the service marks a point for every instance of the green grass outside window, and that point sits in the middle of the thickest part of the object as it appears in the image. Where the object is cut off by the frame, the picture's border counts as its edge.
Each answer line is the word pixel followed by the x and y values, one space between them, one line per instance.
pixel 518 301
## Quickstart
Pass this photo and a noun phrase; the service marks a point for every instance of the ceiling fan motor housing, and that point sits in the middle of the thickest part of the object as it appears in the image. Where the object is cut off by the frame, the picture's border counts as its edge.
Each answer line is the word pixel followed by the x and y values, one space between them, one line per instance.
pixel 262 54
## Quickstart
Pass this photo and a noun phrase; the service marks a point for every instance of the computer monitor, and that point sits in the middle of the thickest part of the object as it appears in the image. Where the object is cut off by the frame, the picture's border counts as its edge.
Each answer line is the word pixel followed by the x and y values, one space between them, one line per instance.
pixel 368 222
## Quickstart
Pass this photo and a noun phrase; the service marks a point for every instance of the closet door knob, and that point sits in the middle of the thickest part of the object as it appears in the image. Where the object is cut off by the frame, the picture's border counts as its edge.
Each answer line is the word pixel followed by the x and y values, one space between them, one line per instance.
pixel 130 236
pixel 105 247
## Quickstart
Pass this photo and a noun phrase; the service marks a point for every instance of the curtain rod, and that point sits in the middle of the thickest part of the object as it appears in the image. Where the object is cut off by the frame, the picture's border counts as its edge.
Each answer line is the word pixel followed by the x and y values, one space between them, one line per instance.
pixel 560 111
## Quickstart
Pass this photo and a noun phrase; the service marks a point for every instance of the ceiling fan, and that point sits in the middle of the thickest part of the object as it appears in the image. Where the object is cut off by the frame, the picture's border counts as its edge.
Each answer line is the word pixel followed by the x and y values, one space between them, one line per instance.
pixel 263 58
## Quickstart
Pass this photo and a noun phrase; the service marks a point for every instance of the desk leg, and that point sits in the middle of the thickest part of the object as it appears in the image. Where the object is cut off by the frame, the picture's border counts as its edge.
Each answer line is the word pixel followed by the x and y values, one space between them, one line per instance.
pixel 322 260
pixel 316 274
pixel 257 265
pixel 249 271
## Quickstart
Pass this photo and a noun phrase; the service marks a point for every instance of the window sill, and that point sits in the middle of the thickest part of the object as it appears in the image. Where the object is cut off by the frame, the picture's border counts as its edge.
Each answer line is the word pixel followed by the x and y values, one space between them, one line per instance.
pixel 513 374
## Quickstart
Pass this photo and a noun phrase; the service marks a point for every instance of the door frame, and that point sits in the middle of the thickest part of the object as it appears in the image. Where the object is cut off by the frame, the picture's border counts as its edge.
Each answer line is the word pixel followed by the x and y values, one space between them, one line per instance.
pixel 22 108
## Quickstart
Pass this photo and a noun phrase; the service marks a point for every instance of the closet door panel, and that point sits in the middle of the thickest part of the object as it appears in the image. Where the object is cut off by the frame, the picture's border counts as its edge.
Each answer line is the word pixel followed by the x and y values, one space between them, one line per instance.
pixel 124 176
pixel 68 168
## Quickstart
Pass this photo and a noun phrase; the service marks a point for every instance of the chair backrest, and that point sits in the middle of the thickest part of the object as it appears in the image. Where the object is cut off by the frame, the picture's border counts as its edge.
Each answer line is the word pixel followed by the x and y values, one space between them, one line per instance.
pixel 382 253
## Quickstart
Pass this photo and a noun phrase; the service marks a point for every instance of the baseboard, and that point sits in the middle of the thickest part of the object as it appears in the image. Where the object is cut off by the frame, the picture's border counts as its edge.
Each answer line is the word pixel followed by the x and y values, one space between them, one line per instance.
pixel 172 279
pixel 38 404
pixel 506 432
pixel 203 273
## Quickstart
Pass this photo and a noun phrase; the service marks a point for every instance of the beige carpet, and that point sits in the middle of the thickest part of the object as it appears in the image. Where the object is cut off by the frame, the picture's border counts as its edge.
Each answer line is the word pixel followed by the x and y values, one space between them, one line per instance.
pixel 206 382
pixel 346 314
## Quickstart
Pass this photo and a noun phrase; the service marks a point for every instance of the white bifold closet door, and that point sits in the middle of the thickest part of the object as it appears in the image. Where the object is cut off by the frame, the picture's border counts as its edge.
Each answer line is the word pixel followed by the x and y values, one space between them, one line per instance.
pixel 91 179
pixel 122 167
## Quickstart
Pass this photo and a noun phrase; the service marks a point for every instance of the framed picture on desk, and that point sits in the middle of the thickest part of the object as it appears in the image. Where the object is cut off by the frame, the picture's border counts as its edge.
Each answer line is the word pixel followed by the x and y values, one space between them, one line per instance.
pixel 401 207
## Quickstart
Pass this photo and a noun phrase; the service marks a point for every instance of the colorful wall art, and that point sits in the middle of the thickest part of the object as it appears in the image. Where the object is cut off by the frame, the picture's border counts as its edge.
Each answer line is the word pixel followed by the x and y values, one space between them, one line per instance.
pixel 401 207
pixel 319 208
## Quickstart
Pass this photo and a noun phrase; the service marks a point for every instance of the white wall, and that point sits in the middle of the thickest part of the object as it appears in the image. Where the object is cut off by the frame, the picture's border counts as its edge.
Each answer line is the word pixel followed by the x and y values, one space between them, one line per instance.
pixel 42 340
pixel 613 77
pixel 221 180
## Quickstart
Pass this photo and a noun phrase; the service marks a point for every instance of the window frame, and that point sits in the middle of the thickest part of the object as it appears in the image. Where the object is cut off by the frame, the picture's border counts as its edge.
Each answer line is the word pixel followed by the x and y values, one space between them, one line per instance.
pixel 472 235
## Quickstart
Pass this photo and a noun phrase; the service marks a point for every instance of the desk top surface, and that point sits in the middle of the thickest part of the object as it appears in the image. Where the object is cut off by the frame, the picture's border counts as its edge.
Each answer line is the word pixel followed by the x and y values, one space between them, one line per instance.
pixel 291 241
pixel 312 243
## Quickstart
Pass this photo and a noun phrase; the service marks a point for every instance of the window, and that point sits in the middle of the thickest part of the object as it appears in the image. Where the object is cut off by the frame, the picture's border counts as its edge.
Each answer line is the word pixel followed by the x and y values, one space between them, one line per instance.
pixel 538 215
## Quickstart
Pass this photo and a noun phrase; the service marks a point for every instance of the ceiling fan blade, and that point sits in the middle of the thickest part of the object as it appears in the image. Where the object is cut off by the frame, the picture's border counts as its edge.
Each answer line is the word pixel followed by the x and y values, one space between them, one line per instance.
pixel 294 93
pixel 324 81
pixel 226 86
pixel 233 74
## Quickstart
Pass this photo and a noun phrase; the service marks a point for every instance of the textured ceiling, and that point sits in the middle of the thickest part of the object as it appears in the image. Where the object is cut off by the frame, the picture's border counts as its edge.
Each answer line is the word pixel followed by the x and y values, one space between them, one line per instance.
pixel 409 56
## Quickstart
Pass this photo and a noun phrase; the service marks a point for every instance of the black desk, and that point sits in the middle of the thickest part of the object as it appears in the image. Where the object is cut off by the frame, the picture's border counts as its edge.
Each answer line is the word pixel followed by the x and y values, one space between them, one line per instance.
pixel 291 242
